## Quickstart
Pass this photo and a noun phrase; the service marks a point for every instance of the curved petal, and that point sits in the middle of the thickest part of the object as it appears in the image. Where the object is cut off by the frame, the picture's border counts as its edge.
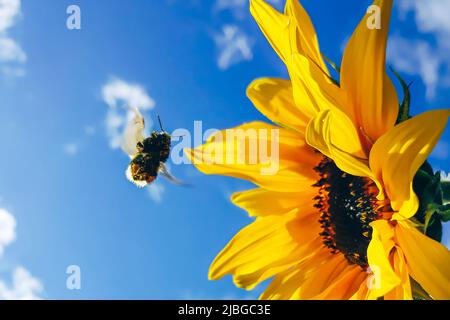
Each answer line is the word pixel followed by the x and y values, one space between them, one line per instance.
pixel 274 25
pixel 428 260
pixel 266 247
pixel 287 284
pixel 384 279
pixel 313 90
pixel 344 286
pixel 274 98
pixel 333 134
pixel 260 202
pixel 397 155
pixel 273 158
pixel 293 37
pixel 362 293
pixel 402 291
pixel 373 101
pixel 305 33
pixel 323 277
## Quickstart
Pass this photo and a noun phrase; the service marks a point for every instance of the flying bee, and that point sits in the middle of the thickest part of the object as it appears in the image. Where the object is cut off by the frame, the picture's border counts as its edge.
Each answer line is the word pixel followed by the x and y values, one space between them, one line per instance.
pixel 148 155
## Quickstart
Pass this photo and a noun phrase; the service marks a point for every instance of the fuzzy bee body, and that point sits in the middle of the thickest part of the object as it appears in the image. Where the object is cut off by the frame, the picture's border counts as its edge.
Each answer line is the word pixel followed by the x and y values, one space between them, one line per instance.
pixel 152 153
pixel 148 155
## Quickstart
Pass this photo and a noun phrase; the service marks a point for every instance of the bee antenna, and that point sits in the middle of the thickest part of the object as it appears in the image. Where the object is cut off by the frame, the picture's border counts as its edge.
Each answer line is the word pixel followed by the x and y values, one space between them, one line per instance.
pixel 160 124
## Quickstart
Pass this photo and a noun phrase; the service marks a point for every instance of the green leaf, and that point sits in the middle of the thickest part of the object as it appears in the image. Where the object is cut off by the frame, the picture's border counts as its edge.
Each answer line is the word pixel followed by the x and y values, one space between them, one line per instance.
pixel 434 230
pixel 444 212
pixel 405 105
pixel 431 193
pixel 427 168
pixel 445 187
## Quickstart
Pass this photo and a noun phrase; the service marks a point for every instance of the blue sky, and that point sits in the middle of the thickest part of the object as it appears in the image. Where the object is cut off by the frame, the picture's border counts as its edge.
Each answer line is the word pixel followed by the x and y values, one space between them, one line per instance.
pixel 62 177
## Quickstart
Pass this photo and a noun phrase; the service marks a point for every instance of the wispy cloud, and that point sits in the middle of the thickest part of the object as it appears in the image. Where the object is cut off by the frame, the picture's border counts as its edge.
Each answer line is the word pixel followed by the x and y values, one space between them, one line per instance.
pixel 7 229
pixel 118 95
pixel 90 130
pixel 23 286
pixel 71 149
pixel 430 61
pixel 12 56
pixel 233 45
pixel 156 191
pixel 416 57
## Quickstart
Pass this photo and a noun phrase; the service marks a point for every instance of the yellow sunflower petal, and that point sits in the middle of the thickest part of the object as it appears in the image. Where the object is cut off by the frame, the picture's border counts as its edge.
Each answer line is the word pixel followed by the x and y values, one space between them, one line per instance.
pixel 402 291
pixel 308 44
pixel 241 157
pixel 344 286
pixel 274 98
pixel 287 284
pixel 373 102
pixel 380 247
pixel 274 25
pixel 428 261
pixel 333 134
pixel 312 88
pixel 397 155
pixel 362 293
pixel 260 202
pixel 267 247
pixel 324 275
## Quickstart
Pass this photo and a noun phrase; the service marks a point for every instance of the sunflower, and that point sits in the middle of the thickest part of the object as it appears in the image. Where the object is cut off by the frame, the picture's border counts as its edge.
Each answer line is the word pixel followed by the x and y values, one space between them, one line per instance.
pixel 346 215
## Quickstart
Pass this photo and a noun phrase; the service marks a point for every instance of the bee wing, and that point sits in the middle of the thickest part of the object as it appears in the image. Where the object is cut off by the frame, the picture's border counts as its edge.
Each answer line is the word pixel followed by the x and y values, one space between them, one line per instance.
pixel 133 133
pixel 164 172
pixel 140 184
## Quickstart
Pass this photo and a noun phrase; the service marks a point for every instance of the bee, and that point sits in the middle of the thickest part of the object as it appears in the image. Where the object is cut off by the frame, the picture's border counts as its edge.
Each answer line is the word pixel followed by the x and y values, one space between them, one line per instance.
pixel 148 155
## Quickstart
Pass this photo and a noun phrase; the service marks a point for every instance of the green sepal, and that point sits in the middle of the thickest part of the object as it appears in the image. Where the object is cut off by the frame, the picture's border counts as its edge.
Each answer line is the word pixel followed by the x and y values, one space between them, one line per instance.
pixel 332 64
pixel 404 107
pixel 335 68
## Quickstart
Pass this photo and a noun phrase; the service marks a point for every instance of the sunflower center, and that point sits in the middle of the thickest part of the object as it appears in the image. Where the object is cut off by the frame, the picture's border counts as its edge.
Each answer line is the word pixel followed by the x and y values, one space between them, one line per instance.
pixel 347 205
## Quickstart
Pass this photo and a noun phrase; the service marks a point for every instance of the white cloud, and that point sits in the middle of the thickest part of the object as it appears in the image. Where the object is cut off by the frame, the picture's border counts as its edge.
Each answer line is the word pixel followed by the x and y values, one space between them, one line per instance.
pixel 23 287
pixel 133 95
pixel 71 149
pixel 234 46
pixel 9 11
pixel 431 17
pixel 118 95
pixel 416 57
pixel 10 50
pixel 7 229
pixel 155 191
pixel 445 176
pixel 90 130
